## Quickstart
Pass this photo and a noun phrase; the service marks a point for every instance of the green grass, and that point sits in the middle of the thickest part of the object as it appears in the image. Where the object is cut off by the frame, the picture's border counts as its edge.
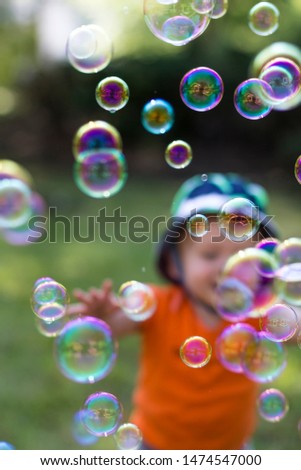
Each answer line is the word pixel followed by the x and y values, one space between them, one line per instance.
pixel 37 401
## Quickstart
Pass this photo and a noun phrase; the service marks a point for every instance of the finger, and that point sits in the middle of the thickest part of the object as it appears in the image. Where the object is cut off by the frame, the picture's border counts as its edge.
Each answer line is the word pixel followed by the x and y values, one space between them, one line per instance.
pixel 76 309
pixel 107 286
pixel 82 296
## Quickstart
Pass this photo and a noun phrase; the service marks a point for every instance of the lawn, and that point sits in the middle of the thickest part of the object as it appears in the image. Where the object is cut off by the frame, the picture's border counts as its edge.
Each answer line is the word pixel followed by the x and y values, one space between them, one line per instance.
pixel 37 401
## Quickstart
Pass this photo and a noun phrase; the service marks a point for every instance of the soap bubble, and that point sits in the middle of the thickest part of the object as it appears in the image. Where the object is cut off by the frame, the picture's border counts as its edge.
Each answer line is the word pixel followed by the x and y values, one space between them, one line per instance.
pixel 15 200
pixel 89 49
pixel 157 116
pixel 79 431
pixel 128 437
pixel 101 173
pixel 288 283
pixel 263 360
pixel 95 136
pixel 272 405
pixel 112 93
pixel 279 322
pixel 137 300
pixel 85 350
pixel 263 18
pixel 203 6
pixel 219 10
pixel 197 225
pixel 250 98
pixel 103 413
pixel 255 269
pixel 178 154
pixel 298 169
pixel 195 352
pixel 49 300
pixel 235 300
pixel 201 89
pixel 239 219
pixel 231 344
pixel 175 22
pixel 6 446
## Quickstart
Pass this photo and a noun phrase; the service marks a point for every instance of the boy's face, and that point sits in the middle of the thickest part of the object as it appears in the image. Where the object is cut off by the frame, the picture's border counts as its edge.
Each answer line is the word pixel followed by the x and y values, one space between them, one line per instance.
pixel 202 261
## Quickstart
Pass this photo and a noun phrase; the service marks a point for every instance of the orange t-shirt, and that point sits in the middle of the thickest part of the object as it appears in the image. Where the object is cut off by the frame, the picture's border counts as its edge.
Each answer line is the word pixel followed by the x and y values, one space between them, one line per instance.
pixel 179 407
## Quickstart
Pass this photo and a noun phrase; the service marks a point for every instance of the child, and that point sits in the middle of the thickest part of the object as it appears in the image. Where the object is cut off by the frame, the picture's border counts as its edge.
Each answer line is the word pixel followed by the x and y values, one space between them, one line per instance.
pixel 176 406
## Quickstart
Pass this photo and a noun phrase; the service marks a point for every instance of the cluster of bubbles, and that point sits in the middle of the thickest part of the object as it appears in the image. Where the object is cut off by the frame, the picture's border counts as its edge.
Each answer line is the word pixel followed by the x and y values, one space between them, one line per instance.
pixel 179 22
pixel 85 352
pixel 100 168
pixel 264 283
pixel 19 202
pixel 137 300
pixel 109 414
pixel 274 83
pixel 100 416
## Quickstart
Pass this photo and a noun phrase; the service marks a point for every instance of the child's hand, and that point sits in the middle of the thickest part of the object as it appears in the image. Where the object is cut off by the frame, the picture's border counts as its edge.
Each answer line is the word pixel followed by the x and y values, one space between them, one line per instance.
pixel 95 302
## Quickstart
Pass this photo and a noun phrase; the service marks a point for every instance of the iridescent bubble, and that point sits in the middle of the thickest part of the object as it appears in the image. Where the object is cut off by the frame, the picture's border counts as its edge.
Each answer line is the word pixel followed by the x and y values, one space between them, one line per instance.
pixel 6 446
pixel 284 77
pixel 279 322
pixel 254 268
pixel 219 10
pixel 157 116
pixel 89 49
pixel 174 22
pixel 49 300
pixel 263 360
pixel 281 81
pixel 272 52
pixel 235 300
pixel 10 169
pixel 101 173
pixel 288 283
pixel 268 244
pixel 95 136
pixel 128 437
pixel 51 329
pixel 250 98
pixel 85 350
pixel 178 154
pixel 231 344
pixel 297 169
pixel 263 18
pixel 41 280
pixel 203 6
pixel 204 177
pixel 239 219
pixel 289 251
pixel 79 431
pixel 15 199
pixel 272 405
pixel 112 93
pixel 137 300
pixel 201 89
pixel 103 413
pixel 195 352
pixel 22 234
pixel 197 225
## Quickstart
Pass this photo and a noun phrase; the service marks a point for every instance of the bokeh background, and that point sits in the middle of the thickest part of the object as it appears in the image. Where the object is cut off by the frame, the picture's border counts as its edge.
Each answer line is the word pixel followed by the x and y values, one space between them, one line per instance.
pixel 43 101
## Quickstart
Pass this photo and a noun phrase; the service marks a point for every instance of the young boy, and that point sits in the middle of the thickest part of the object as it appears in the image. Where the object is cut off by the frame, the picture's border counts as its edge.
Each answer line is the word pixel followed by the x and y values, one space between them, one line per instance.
pixel 176 406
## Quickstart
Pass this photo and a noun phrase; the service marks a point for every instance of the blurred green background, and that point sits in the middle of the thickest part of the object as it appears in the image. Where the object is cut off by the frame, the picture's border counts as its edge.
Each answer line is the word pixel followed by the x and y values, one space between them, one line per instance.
pixel 43 101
